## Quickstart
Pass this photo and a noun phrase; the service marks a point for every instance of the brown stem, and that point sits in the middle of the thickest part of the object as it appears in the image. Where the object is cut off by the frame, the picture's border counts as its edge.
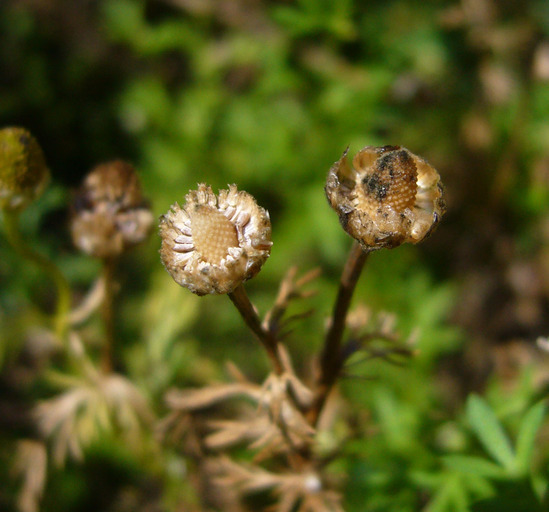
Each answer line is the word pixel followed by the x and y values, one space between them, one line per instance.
pixel 107 313
pixel 331 360
pixel 249 315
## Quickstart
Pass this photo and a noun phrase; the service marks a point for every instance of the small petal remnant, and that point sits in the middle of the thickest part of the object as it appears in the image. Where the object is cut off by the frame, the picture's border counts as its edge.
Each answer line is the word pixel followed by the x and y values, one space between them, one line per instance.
pixel 214 243
pixel 109 213
pixel 23 170
pixel 389 196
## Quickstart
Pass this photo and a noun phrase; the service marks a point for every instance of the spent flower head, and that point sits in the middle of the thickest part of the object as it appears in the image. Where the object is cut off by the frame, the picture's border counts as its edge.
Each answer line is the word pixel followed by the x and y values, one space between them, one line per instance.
pixel 23 170
pixel 388 197
pixel 214 243
pixel 109 213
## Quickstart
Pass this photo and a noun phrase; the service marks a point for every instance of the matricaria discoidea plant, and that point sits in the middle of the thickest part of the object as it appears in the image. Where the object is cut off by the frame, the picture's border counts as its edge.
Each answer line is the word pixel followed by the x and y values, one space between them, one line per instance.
pixel 388 197
pixel 214 243
pixel 23 178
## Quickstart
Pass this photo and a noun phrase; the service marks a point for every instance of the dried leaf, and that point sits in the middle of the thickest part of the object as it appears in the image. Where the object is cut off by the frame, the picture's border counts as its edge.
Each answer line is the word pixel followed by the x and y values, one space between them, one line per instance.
pixel 30 464
pixel 75 418
pixel 195 399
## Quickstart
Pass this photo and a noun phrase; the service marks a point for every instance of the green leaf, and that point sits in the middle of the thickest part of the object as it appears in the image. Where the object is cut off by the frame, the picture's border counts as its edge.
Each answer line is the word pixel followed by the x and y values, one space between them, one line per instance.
pixel 489 431
pixel 473 465
pixel 527 436
pixel 451 496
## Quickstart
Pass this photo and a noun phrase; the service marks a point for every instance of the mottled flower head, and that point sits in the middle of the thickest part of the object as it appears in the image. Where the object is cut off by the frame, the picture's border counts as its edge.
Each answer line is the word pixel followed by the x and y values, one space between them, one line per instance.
pixel 214 243
pixel 388 197
pixel 23 170
pixel 109 214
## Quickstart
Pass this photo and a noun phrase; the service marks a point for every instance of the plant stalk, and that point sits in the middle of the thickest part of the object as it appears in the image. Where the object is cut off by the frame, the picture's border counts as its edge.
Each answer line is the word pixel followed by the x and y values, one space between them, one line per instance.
pixel 13 235
pixel 331 359
pixel 107 313
pixel 249 314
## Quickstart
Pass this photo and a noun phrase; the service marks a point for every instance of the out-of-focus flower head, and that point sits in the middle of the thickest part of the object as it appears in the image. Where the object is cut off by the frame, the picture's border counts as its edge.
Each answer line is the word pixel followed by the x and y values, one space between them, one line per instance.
pixel 109 213
pixel 388 197
pixel 214 243
pixel 23 170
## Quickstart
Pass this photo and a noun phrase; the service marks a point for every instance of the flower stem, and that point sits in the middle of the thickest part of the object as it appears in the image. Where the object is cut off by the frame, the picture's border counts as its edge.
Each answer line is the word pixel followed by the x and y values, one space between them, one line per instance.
pixel 13 235
pixel 249 314
pixel 107 313
pixel 331 359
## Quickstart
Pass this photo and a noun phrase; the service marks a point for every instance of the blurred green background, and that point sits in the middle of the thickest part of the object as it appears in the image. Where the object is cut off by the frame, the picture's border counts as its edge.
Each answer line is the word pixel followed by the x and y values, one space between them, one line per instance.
pixel 267 94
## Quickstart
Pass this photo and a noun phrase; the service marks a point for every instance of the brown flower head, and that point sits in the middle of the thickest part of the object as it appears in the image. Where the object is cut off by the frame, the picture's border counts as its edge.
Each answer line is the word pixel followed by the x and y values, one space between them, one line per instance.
pixel 214 243
pixel 109 213
pixel 23 170
pixel 390 196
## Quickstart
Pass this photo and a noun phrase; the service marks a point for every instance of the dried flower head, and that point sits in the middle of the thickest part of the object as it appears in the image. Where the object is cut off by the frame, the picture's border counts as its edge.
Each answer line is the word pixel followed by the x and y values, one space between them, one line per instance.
pixel 214 243
pixel 109 213
pixel 390 196
pixel 23 170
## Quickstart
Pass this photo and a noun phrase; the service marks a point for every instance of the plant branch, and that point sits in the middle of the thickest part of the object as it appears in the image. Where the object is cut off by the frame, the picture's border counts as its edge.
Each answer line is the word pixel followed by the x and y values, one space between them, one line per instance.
pixel 331 359
pixel 249 314
pixel 290 289
pixel 90 303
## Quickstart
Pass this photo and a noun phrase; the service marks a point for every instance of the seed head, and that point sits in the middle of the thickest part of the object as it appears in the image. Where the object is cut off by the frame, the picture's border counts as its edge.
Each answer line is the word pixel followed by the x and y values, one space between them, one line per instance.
pixel 390 196
pixel 214 243
pixel 109 214
pixel 23 170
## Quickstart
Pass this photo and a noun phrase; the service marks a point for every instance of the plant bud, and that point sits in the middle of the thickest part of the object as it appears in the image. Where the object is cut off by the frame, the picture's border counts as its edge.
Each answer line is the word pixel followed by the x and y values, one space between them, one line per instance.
pixel 109 214
pixel 23 171
pixel 214 243
pixel 390 196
